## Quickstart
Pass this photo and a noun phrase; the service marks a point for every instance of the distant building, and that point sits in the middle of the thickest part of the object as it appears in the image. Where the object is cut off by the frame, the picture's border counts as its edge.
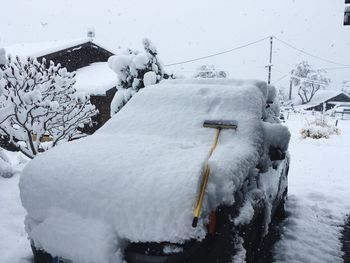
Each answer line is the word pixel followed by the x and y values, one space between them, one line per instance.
pixel 330 98
pixel 89 59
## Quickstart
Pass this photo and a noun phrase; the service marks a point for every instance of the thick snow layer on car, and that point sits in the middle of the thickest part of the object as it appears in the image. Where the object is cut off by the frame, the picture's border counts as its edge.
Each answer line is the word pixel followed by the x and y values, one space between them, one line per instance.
pixel 271 93
pixel 95 79
pixel 276 135
pixel 149 78
pixel 140 174
pixel 79 239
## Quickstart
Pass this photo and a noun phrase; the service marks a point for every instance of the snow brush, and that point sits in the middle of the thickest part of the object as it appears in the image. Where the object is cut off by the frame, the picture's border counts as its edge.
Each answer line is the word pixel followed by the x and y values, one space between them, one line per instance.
pixel 218 125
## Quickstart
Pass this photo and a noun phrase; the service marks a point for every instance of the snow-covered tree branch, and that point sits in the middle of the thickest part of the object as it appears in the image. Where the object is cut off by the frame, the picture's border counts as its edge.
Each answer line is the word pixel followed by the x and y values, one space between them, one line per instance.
pixel 135 70
pixel 39 105
pixel 346 87
pixel 309 81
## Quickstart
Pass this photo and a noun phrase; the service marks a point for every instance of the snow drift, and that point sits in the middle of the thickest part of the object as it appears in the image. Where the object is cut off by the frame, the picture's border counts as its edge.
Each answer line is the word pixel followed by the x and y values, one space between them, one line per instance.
pixel 139 175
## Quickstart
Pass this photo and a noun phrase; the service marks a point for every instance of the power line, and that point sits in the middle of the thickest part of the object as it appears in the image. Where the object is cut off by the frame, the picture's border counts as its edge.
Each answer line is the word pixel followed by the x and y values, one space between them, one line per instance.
pixel 309 54
pixel 343 66
pixel 278 70
pixel 217 54
pixel 335 68
pixel 281 78
pixel 300 78
pixel 309 80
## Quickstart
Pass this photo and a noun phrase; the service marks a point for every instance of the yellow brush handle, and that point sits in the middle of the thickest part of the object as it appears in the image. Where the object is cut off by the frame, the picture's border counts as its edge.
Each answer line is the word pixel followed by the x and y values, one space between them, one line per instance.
pixel 197 210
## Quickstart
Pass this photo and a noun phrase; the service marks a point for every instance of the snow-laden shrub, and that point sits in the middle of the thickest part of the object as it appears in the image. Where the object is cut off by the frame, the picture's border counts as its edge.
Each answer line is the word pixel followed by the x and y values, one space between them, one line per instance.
pixel 135 70
pixel 39 104
pixel 6 170
pixel 319 128
pixel 209 71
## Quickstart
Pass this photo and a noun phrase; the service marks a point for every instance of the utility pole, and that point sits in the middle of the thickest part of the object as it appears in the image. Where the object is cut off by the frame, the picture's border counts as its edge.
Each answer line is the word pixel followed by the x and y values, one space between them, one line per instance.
pixel 270 61
pixel 290 88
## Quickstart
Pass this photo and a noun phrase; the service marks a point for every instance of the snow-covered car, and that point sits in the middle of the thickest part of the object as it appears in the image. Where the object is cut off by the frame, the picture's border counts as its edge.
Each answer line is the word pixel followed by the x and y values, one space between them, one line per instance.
pixel 129 191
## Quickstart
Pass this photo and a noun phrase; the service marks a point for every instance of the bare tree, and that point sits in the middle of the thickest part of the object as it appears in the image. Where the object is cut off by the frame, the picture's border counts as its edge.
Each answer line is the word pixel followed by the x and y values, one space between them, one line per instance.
pixel 300 72
pixel 39 106
pixel 309 81
pixel 313 82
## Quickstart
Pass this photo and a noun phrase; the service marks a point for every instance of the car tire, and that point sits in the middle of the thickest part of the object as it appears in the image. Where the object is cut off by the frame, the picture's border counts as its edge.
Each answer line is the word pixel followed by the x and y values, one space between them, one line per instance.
pixel 265 252
pixel 40 256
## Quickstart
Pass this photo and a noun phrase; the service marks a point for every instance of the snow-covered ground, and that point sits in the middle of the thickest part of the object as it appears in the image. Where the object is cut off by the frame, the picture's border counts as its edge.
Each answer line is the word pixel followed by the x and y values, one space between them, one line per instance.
pixel 95 79
pixel 319 181
pixel 14 245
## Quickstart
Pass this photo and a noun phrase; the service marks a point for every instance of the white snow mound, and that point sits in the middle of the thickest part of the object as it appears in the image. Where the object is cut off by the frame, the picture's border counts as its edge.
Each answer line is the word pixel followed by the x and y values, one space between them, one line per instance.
pixel 139 175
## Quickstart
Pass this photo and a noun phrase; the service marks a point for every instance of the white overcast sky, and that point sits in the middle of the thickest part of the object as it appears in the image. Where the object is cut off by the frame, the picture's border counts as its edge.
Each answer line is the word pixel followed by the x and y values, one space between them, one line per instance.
pixel 185 29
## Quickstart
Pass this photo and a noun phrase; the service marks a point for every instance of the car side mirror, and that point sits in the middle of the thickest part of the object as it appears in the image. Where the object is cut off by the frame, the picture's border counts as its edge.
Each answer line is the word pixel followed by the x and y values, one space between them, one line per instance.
pixel 276 154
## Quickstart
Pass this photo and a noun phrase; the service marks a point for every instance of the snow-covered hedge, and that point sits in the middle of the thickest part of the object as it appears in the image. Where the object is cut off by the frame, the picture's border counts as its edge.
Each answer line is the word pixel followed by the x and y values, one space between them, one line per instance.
pixel 319 128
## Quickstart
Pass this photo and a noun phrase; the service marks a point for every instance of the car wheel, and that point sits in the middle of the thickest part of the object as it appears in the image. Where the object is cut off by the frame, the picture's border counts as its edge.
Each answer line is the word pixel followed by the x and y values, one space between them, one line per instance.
pixel 40 256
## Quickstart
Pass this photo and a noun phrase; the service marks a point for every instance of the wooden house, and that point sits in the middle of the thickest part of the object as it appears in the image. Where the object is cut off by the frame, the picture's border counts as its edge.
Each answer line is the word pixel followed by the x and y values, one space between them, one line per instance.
pixel 329 98
pixel 88 59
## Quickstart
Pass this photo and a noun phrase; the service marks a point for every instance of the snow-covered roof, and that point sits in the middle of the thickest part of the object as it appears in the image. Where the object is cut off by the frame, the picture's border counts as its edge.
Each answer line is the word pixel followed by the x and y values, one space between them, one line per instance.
pixel 323 95
pixel 340 103
pixel 38 49
pixel 138 177
pixel 95 79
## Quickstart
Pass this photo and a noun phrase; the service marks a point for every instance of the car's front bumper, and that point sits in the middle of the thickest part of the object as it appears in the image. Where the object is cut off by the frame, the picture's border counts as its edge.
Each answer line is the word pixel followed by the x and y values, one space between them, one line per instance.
pixel 40 256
